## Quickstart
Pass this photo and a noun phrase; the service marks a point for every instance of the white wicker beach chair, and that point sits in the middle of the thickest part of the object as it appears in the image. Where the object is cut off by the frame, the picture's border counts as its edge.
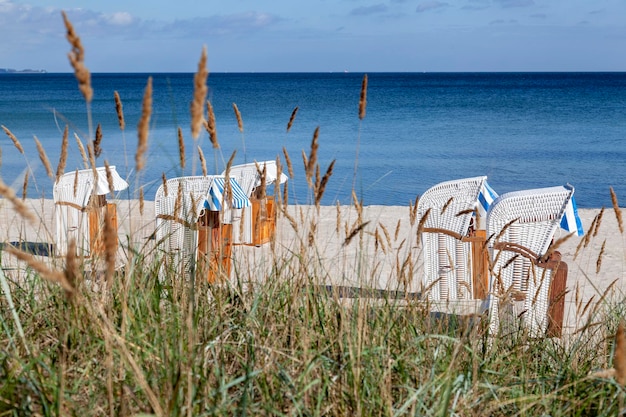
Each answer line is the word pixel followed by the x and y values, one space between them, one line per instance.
pixel 72 194
pixel 178 206
pixel 249 178
pixel 447 253
pixel 521 226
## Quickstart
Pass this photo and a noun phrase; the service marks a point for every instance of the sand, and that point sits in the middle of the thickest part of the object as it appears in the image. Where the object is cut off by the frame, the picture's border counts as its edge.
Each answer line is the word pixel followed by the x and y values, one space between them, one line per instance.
pixel 360 262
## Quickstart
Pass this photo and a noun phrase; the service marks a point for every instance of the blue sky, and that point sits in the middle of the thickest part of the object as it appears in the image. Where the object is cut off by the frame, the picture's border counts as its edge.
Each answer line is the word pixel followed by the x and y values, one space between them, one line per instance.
pixel 319 35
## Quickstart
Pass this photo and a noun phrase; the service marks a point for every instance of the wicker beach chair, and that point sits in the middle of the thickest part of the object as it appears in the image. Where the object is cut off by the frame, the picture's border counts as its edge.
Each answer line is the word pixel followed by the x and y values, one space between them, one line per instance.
pixel 193 228
pixel 255 225
pixel 80 203
pixel 521 226
pixel 455 263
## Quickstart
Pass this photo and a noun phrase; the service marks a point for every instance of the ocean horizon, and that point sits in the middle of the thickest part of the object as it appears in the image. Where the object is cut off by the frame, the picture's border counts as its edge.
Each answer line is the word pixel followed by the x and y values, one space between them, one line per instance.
pixel 523 130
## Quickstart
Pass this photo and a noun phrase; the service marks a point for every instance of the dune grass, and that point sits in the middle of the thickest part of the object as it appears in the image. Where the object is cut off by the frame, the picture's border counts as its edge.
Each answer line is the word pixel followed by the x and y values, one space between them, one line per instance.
pixel 272 340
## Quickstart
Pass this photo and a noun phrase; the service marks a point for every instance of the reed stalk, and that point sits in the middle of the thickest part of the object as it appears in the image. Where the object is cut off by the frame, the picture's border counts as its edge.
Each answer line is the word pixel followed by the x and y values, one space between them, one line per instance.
pixel 143 127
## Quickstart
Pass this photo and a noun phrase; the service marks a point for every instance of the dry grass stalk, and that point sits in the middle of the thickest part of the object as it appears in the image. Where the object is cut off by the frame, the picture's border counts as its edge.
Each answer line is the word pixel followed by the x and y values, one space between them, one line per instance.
pixel 263 175
pixel 72 272
pixel 44 158
pixel 194 206
pixel 312 161
pixel 286 194
pixel 229 164
pixel 92 161
pixel 386 233
pixel 412 212
pixel 381 242
pixel 446 205
pixel 110 247
pixel 397 232
pixel 363 98
pixel 11 136
pixel 505 228
pixel 618 212
pixel 199 95
pixel 600 255
pixel 119 110
pixel 312 230
pixel 81 149
pixel 338 224
pixel 353 233
pixel 77 60
pixel 238 116
pixel 211 127
pixel 97 143
pixel 323 183
pixel 305 160
pixel 292 118
pixel 420 225
pixel 178 204
pixel 555 246
pixel 202 161
pixel 598 221
pixel 143 127
pixel 587 237
pixel 109 174
pixel 75 189
pixel 279 173
pixel 41 268
pixel 318 177
pixel 141 201
pixel 181 147
pixel 288 162
pixel 164 179
pixel 619 358
pixel 25 186
pixel 291 220
pixel 358 205
pixel 63 156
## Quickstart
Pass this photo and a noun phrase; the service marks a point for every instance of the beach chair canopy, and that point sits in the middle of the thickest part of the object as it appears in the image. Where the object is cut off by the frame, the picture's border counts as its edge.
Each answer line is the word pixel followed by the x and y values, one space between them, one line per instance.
pixel 449 208
pixel 249 178
pixel 86 184
pixel 521 226
pixel 215 196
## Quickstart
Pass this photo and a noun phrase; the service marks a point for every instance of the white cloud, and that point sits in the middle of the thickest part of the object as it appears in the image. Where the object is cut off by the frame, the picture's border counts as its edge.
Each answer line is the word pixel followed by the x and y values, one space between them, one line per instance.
pixel 119 18
pixel 426 6
pixel 516 3
pixel 369 10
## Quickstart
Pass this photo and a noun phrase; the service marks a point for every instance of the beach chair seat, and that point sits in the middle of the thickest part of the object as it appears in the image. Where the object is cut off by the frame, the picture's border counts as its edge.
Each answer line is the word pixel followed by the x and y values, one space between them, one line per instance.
pixel 455 261
pixel 527 282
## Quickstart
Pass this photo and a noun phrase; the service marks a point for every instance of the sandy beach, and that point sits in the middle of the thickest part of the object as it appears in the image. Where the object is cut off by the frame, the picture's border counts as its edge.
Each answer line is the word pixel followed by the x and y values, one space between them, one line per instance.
pixel 384 264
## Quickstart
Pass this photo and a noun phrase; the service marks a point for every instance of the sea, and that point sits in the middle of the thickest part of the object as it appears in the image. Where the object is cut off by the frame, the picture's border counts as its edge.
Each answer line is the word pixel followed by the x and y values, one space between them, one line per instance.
pixel 521 130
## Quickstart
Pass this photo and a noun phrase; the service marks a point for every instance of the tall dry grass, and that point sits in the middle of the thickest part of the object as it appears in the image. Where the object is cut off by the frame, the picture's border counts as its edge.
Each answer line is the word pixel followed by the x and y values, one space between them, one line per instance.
pixel 274 339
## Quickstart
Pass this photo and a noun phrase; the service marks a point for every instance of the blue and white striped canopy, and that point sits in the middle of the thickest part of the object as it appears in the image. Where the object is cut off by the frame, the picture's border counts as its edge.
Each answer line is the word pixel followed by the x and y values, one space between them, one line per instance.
pixel 215 196
pixel 571 221
pixel 486 197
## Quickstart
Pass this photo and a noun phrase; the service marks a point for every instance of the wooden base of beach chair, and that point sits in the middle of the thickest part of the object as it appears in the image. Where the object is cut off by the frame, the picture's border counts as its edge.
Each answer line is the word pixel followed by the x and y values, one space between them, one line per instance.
pixel 480 263
pixel 214 247
pixel 96 228
pixel 556 294
pixel 263 220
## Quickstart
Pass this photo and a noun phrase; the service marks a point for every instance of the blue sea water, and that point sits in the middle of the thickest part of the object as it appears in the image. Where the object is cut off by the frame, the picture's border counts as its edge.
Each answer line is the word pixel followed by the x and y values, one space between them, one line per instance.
pixel 522 130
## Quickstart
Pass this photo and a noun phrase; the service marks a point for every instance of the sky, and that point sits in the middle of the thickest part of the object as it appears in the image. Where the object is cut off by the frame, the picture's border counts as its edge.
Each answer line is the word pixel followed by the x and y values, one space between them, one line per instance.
pixel 318 35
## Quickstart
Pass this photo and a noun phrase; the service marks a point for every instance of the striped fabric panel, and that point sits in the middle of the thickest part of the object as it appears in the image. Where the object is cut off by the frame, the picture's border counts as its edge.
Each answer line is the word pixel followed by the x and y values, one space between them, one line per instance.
pixel 215 195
